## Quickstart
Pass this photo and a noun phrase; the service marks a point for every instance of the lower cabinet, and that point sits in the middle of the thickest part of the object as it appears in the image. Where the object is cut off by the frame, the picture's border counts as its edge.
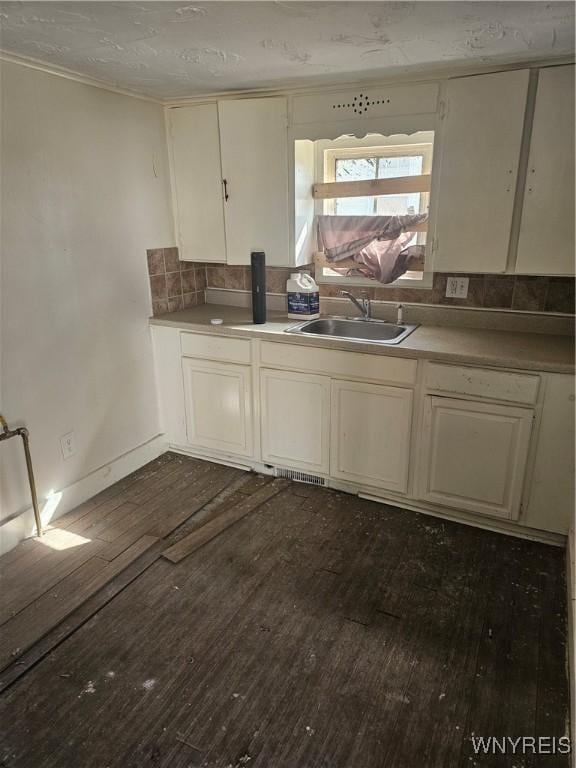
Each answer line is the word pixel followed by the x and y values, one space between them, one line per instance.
pixel 473 455
pixel 474 450
pixel 370 434
pixel 295 420
pixel 218 400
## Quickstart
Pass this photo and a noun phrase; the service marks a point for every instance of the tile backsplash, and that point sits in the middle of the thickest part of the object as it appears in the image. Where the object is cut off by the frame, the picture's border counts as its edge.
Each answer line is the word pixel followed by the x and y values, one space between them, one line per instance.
pixel 174 284
pixel 178 285
pixel 518 292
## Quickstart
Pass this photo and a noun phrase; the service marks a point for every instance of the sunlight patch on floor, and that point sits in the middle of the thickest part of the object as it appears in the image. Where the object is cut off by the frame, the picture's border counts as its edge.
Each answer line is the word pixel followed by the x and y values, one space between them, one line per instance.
pixel 59 539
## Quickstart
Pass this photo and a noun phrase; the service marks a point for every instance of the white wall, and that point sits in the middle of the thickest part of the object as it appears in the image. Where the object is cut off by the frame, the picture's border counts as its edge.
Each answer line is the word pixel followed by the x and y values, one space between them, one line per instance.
pixel 85 192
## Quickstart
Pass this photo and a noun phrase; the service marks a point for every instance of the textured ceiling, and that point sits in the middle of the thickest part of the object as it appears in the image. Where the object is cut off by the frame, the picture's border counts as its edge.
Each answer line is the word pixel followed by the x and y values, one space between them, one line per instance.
pixel 175 49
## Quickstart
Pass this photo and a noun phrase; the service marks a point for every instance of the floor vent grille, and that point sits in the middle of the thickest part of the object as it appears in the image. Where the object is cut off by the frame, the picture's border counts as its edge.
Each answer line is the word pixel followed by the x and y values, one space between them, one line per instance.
pixel 299 477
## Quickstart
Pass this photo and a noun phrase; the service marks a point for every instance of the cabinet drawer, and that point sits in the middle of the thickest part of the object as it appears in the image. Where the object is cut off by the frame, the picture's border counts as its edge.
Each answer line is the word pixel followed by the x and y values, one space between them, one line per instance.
pixel 216 347
pixel 480 382
pixel 335 362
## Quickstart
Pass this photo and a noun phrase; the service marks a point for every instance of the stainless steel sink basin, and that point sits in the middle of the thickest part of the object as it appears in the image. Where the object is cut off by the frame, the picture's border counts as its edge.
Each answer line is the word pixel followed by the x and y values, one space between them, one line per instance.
pixel 351 329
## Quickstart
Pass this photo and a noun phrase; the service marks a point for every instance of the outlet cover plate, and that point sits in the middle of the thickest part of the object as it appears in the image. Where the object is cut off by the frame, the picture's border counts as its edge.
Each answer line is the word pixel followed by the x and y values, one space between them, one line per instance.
pixel 68 445
pixel 457 287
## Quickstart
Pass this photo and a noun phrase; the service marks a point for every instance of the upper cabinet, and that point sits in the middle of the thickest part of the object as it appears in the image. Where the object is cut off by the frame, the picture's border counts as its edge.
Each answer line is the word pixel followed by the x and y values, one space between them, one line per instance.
pixel 546 244
pixel 230 180
pixel 197 182
pixel 254 149
pixel 478 173
pixel 502 196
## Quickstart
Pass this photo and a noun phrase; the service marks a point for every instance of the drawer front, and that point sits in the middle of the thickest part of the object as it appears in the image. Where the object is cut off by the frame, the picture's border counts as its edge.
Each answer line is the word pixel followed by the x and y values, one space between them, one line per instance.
pixel 216 348
pixel 348 365
pixel 480 382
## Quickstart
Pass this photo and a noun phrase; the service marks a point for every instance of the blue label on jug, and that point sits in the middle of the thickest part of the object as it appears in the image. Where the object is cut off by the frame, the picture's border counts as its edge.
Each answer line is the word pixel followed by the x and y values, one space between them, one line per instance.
pixel 303 303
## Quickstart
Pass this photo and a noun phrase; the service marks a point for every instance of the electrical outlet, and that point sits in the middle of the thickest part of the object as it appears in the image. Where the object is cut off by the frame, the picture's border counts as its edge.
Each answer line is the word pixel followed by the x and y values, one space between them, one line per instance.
pixel 68 445
pixel 457 287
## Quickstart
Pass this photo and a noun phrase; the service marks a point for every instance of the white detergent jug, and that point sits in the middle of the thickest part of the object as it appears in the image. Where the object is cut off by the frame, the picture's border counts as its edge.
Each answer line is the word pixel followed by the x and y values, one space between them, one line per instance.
pixel 303 297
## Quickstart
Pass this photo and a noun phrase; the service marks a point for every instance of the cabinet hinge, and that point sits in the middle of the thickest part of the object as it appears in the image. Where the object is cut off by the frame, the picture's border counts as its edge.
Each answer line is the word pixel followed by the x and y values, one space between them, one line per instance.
pixel 442 109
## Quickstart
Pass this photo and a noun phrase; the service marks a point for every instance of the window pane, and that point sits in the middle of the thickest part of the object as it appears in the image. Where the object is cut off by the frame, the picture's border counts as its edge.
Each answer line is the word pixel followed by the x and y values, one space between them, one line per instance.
pixel 390 167
pixel 354 206
pixel 356 169
pixel 398 205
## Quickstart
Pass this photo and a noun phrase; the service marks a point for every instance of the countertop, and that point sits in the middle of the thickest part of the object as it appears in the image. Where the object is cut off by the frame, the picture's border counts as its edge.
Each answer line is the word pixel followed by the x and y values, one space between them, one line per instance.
pixel 524 351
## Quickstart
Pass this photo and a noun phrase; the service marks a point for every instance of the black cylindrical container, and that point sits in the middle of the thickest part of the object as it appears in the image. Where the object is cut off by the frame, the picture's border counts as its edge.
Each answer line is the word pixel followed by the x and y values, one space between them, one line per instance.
pixel 258 261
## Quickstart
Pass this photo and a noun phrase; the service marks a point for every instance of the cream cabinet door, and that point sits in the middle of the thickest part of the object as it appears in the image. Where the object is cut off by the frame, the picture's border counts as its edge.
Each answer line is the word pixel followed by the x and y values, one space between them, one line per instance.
pixel 478 170
pixel 254 146
pixel 197 182
pixel 295 420
pixel 218 406
pixel 370 434
pixel 473 455
pixel 546 244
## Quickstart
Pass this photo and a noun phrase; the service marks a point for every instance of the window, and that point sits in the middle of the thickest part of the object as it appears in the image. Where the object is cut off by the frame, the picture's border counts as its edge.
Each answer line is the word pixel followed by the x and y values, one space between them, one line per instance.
pixel 367 166
pixel 388 163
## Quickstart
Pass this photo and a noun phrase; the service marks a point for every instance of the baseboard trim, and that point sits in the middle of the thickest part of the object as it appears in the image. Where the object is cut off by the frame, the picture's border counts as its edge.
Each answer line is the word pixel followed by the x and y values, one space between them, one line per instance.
pixel 22 526
pixel 229 461
pixel 508 529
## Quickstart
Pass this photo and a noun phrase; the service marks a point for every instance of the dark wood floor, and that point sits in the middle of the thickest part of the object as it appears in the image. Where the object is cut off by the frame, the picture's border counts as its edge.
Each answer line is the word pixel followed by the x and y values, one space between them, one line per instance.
pixel 318 631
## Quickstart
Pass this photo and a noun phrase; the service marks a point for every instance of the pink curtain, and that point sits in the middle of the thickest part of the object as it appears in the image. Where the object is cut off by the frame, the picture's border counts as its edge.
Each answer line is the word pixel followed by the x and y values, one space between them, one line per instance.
pixel 378 244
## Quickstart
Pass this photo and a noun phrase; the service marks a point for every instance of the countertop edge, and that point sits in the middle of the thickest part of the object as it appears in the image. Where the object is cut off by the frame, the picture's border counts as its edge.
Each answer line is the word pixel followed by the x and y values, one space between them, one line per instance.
pixel 279 336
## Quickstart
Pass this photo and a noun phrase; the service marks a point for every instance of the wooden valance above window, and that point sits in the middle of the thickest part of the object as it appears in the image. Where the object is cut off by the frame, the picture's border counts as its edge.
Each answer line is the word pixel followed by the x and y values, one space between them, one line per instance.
pixel 398 185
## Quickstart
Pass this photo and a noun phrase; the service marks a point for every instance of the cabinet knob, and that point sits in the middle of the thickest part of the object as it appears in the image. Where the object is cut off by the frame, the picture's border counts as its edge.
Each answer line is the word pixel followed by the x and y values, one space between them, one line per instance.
pixel 226 195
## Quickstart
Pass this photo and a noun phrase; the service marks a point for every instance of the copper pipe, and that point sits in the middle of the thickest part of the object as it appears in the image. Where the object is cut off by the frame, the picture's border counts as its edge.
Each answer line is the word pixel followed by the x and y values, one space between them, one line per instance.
pixel 22 432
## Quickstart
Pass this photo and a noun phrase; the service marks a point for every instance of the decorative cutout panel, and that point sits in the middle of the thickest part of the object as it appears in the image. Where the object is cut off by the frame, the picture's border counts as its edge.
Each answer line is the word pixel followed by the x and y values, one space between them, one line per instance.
pixel 366 103
pixel 361 104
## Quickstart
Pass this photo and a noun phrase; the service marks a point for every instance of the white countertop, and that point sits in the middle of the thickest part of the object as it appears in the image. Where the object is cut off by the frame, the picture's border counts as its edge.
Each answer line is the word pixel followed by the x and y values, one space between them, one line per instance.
pixel 524 351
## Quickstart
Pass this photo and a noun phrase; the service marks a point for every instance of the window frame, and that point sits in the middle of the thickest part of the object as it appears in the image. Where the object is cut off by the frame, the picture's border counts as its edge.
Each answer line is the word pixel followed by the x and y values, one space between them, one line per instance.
pixel 327 168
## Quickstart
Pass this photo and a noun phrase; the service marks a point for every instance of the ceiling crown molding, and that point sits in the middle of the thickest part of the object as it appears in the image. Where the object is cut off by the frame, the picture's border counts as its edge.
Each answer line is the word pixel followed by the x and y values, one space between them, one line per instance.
pixel 433 75
pixel 69 74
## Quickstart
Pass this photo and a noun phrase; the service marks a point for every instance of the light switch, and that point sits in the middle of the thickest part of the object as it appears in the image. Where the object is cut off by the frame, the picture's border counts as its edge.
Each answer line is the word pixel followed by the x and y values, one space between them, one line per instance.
pixel 457 287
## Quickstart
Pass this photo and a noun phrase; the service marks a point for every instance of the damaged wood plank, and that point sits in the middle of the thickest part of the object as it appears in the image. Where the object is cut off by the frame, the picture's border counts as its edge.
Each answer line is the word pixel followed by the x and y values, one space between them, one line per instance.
pixel 78 617
pixel 149 474
pixel 23 588
pixel 391 186
pixel 253 482
pixel 172 510
pixel 51 608
pixel 228 517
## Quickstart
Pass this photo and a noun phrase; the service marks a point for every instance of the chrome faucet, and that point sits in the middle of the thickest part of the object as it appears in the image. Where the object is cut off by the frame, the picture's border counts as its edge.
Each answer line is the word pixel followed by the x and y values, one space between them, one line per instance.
pixel 363 305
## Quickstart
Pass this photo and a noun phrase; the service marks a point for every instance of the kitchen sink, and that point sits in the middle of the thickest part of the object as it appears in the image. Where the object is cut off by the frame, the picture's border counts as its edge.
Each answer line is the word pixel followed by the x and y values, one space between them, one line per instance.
pixel 352 329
